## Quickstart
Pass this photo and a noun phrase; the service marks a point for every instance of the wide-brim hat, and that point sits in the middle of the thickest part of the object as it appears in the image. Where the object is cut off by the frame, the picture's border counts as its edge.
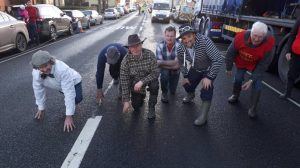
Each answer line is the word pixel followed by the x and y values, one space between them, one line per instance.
pixel 112 55
pixel 40 58
pixel 185 29
pixel 134 40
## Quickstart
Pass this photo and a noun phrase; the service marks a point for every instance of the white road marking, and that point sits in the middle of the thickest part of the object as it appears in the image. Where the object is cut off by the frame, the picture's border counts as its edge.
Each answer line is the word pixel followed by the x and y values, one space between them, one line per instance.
pixel 74 158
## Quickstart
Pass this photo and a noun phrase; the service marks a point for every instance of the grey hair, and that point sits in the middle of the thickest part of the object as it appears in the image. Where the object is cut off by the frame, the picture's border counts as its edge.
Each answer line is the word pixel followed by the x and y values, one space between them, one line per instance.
pixel 259 27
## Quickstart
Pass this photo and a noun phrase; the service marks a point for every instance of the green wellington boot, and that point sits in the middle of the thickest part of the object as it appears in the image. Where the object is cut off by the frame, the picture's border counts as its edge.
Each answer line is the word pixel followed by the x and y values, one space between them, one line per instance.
pixel 205 106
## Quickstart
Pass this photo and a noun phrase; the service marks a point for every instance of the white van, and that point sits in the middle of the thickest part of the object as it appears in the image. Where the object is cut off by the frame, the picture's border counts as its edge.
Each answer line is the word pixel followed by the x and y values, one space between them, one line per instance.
pixel 161 11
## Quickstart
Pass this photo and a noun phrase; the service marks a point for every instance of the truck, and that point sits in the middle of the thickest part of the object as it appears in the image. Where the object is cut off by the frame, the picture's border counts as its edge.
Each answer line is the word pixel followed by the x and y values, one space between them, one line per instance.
pixel 222 19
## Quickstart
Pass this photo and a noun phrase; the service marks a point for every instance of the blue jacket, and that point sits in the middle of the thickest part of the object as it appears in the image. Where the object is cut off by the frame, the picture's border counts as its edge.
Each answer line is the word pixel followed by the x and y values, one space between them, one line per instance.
pixel 102 61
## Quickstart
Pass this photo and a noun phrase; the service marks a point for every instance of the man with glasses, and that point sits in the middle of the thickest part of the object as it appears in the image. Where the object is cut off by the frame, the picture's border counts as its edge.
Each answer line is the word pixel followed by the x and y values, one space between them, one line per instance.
pixel 167 62
pixel 55 74
pixel 200 62
pixel 138 70
pixel 250 51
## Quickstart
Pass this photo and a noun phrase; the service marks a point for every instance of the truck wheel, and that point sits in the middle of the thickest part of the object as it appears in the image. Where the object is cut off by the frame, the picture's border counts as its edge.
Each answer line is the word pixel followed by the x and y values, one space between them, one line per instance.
pixel 53 34
pixel 283 67
pixel 207 29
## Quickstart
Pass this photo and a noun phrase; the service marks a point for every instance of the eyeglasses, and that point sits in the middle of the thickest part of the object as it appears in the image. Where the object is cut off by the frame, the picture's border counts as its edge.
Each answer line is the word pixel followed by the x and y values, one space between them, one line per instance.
pixel 186 28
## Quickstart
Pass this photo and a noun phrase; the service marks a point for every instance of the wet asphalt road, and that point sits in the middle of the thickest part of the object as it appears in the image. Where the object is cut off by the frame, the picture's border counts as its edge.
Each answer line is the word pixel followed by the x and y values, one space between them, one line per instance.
pixel 229 139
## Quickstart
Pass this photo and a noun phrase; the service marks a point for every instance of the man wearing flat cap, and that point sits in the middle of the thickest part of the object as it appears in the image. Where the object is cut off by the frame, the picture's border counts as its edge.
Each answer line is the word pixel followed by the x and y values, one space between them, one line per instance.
pixel 139 69
pixel 112 54
pixel 200 62
pixel 55 74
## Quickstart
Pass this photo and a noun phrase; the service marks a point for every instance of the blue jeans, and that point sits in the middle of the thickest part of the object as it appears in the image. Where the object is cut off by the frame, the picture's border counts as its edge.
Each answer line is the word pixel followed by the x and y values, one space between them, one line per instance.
pixel 195 77
pixel 169 80
pixel 33 34
pixel 239 78
pixel 78 90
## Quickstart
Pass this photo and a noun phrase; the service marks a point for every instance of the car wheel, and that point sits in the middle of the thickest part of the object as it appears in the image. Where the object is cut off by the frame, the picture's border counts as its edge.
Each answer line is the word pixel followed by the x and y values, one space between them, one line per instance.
pixel 53 35
pixel 88 25
pixel 21 42
pixel 71 31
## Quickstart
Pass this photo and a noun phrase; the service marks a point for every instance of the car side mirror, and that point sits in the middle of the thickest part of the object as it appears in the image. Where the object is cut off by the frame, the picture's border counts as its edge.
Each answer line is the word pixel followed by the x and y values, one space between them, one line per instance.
pixel 62 14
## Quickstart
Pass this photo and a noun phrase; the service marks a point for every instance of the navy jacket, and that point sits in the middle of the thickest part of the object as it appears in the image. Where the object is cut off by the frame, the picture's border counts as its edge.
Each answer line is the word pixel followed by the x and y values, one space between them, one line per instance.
pixel 102 61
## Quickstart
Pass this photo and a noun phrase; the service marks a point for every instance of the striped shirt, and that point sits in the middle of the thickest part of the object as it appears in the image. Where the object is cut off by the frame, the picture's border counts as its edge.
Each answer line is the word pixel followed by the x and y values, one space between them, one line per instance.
pixel 133 70
pixel 205 56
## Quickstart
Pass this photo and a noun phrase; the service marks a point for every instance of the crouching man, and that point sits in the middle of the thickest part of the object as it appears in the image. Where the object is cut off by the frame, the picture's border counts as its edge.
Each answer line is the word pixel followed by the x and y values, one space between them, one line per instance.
pixel 55 74
pixel 138 70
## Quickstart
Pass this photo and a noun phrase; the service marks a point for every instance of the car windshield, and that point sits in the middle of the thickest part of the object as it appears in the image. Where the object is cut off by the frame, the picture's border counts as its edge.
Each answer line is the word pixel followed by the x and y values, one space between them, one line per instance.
pixel 161 6
pixel 186 9
pixel 109 10
pixel 87 12
pixel 69 13
pixel 46 11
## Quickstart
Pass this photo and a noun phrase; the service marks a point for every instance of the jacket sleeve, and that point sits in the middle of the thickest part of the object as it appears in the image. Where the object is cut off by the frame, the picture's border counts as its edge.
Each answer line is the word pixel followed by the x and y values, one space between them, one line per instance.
pixel 262 66
pixel 39 90
pixel 100 70
pixel 158 52
pixel 216 58
pixel 125 80
pixel 230 55
pixel 180 56
pixel 68 88
pixel 154 70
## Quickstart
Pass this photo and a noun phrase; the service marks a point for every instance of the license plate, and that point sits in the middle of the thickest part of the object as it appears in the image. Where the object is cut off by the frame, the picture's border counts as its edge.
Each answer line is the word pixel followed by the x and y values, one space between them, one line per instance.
pixel 160 19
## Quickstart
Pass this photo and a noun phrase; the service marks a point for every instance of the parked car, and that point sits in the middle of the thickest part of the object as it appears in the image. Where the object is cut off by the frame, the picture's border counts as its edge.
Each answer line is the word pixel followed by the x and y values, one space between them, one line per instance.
pixel 120 10
pixel 14 34
pixel 95 17
pixel 132 8
pixel 53 22
pixel 126 9
pixel 111 13
pixel 76 16
pixel 183 14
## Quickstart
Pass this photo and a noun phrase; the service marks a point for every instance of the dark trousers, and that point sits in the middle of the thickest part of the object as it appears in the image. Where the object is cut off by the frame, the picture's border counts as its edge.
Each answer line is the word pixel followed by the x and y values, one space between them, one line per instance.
pixel 33 33
pixel 294 69
pixel 114 71
pixel 137 99
pixel 169 80
pixel 195 77
pixel 78 90
pixel 239 78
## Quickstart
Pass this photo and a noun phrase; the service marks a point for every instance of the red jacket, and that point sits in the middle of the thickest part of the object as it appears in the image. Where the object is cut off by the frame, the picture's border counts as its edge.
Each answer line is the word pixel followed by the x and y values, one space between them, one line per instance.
pixel 32 12
pixel 247 57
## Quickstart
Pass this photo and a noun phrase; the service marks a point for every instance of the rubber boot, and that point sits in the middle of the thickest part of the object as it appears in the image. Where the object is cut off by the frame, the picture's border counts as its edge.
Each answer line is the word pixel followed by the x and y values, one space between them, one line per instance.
pixel 189 97
pixel 288 90
pixel 254 101
pixel 164 97
pixel 234 98
pixel 151 112
pixel 205 106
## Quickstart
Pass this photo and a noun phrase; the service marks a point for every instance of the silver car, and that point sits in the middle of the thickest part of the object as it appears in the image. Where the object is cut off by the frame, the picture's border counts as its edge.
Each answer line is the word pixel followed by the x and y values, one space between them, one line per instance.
pixel 94 16
pixel 14 34
pixel 111 13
